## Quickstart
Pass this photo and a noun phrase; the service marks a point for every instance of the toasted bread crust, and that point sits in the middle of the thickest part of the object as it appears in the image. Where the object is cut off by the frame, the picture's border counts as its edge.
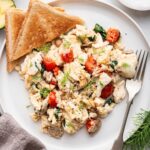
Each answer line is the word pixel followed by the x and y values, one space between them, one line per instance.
pixel 13 18
pixel 42 24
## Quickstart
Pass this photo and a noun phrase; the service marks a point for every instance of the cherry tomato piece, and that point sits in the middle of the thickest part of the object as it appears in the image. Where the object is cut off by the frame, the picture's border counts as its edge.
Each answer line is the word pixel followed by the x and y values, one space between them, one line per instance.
pixel 68 57
pixel 90 64
pixel 52 100
pixel 49 64
pixel 112 35
pixel 53 82
pixel 92 125
pixel 107 91
pixel 56 71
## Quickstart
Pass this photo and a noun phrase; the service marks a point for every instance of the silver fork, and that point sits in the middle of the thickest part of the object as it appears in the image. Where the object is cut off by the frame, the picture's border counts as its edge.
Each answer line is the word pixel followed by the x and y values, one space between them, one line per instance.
pixel 133 87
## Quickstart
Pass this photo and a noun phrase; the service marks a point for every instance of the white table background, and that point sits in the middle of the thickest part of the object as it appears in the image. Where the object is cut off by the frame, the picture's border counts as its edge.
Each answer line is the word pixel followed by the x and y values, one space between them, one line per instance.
pixel 142 18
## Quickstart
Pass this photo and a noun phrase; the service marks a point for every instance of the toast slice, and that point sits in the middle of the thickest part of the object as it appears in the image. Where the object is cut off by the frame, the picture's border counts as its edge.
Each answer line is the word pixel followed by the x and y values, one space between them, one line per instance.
pixel 14 19
pixel 42 24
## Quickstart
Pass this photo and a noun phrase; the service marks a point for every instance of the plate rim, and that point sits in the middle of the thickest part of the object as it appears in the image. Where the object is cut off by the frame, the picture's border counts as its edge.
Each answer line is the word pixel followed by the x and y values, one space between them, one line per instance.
pixel 107 4
pixel 134 8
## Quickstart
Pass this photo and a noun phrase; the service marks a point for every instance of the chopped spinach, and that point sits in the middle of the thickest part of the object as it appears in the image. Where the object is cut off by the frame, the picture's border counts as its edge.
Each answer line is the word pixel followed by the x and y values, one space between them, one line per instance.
pixel 109 101
pixel 44 92
pixel 57 113
pixel 42 68
pixel 100 29
pixel 45 48
pixel 92 38
pixel 113 64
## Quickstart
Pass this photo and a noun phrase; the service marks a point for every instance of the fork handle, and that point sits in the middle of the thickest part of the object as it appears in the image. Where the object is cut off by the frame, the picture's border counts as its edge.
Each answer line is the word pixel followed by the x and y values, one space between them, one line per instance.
pixel 118 144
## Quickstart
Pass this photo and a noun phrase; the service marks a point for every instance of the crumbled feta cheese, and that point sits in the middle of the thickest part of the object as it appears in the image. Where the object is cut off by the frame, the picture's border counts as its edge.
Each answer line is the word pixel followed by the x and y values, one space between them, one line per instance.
pixel 48 76
pixel 119 91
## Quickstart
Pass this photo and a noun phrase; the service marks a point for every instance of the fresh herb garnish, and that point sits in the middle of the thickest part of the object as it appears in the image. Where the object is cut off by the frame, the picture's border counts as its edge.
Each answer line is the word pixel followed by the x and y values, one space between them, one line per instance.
pixel 42 68
pixel 44 92
pixel 67 44
pixel 82 38
pixel 100 29
pixel 125 65
pixel 101 84
pixel 81 60
pixel 65 79
pixel 109 101
pixel 36 78
pixel 89 84
pixel 45 48
pixel 92 38
pixel 113 64
pixel 98 51
pixel 57 113
pixel 140 138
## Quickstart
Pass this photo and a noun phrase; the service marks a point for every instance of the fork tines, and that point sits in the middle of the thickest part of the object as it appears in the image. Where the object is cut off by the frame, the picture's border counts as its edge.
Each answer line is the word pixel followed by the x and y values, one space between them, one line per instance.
pixel 142 56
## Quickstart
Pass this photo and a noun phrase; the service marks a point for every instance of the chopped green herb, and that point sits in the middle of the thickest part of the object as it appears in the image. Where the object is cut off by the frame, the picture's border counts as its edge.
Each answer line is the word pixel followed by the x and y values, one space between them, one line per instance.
pixel 125 65
pixel 101 83
pixel 92 38
pixel 42 68
pixel 57 113
pixel 72 87
pixel 67 44
pixel 98 51
pixel 45 48
pixel 70 125
pixel 113 64
pixel 65 78
pixel 36 78
pixel 82 38
pixel 81 106
pixel 81 60
pixel 100 29
pixel 89 84
pixel 44 92
pixel 108 101
pixel 37 66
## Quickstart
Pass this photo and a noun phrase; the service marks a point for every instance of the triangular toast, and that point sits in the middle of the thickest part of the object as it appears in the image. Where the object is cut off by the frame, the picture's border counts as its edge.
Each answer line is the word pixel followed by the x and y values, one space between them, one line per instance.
pixel 42 24
pixel 14 19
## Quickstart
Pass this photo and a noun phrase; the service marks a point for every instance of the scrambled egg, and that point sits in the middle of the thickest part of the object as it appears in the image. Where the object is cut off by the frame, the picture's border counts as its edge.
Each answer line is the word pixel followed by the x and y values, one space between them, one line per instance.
pixel 77 80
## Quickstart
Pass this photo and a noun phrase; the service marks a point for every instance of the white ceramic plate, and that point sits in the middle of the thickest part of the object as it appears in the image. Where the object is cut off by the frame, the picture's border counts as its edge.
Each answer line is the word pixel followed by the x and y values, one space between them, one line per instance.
pixel 15 97
pixel 141 5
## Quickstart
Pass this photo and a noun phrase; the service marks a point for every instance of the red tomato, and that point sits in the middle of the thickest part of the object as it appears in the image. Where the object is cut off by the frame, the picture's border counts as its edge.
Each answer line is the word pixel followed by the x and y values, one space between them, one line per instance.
pixel 68 57
pixel 107 91
pixel 90 64
pixel 112 35
pixel 53 82
pixel 52 100
pixel 89 123
pixel 92 125
pixel 49 64
pixel 56 71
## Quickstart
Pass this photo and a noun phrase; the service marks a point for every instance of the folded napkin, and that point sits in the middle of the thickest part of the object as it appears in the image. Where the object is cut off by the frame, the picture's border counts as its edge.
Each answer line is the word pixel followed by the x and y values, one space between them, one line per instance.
pixel 13 137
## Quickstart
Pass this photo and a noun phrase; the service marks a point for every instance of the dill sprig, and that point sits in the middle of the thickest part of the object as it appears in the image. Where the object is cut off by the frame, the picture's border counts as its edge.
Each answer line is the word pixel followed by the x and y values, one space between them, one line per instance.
pixel 140 138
